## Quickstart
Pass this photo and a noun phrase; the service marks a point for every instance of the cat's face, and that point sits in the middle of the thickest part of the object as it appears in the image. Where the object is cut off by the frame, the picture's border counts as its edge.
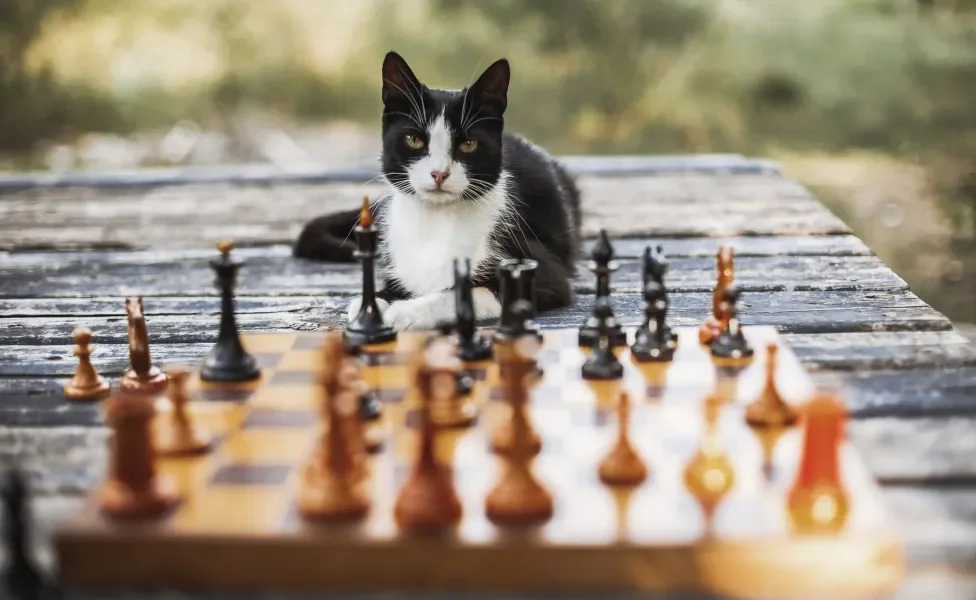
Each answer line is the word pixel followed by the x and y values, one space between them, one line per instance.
pixel 442 146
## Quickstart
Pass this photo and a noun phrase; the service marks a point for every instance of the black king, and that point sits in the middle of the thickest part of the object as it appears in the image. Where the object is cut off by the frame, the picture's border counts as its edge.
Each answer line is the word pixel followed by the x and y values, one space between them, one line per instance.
pixel 368 326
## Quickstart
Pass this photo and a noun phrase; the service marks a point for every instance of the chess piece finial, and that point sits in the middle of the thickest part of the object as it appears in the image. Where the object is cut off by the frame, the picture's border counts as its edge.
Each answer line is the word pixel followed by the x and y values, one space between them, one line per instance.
pixel 224 247
pixel 731 343
pixel 331 488
pixel 134 488
pixel 177 435
pixel 602 265
pixel 622 465
pixel 368 327
pixel 142 377
pixel 602 362
pixel 518 498
pixel 86 385
pixel 818 502
pixel 472 346
pixel 428 501
pixel 769 409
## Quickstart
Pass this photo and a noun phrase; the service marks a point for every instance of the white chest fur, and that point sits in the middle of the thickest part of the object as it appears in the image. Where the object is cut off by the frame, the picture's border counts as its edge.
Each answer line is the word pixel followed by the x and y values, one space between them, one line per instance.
pixel 422 241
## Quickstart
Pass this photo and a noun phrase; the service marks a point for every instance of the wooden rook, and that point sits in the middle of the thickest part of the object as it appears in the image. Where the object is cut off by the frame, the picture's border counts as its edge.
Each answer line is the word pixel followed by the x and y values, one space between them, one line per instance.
pixel 602 265
pixel 717 322
pixel 86 385
pixel 818 502
pixel 177 435
pixel 368 327
pixel 134 489
pixel 228 361
pixel 142 377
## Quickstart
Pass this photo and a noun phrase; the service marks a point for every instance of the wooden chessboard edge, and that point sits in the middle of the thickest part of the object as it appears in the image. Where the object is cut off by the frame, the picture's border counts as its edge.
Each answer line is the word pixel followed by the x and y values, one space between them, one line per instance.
pixel 798 565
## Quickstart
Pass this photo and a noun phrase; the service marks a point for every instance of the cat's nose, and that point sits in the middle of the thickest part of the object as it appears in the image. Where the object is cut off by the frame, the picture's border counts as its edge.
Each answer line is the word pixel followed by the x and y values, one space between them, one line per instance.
pixel 440 176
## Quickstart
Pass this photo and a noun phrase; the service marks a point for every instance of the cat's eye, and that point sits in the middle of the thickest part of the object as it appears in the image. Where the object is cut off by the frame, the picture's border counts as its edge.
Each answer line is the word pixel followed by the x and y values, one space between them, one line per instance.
pixel 468 146
pixel 414 142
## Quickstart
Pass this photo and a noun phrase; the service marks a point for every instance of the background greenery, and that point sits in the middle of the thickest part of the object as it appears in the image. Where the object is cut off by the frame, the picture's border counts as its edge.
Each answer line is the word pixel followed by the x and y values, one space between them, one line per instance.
pixel 868 102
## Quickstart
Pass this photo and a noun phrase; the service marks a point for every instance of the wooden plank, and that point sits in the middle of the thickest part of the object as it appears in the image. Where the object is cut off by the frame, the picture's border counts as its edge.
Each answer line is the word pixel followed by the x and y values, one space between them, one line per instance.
pixel 272 272
pixel 187 320
pixel 906 393
pixel 812 245
pixel 918 451
pixel 176 216
pixel 887 350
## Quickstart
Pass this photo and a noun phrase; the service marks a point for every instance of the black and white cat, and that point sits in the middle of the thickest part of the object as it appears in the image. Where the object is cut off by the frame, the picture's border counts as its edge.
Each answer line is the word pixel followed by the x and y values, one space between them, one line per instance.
pixel 458 187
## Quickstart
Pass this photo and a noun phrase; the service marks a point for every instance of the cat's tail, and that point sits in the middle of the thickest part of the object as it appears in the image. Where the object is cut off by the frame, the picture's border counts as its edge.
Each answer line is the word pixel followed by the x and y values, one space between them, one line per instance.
pixel 328 238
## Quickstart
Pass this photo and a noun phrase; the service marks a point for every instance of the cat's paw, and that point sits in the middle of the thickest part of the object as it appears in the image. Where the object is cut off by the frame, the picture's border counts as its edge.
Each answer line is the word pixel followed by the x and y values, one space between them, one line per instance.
pixel 354 305
pixel 417 314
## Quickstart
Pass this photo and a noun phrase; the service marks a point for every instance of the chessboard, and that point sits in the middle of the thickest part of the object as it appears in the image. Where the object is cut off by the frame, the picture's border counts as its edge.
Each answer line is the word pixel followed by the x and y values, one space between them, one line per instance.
pixel 236 524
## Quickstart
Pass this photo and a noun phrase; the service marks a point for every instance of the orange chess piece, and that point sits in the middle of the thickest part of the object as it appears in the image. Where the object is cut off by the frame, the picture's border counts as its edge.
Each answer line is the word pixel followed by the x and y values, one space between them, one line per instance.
pixel 177 436
pixel 142 377
pixel 331 487
pixel 709 475
pixel 518 498
pixel 86 385
pixel 818 501
pixel 718 321
pixel 134 489
pixel 622 465
pixel 428 501
pixel 769 409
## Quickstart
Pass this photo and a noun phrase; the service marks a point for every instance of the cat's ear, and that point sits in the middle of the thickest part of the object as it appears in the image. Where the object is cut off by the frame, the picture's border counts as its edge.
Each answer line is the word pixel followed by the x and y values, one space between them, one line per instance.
pixel 492 86
pixel 399 82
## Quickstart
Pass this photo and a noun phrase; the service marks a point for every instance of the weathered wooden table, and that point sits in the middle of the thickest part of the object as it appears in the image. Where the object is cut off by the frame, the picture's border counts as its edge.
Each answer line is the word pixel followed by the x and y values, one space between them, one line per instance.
pixel 71 248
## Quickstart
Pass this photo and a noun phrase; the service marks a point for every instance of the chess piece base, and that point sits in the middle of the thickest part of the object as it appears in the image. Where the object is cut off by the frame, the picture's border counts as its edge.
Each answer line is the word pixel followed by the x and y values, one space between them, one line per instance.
pixel 154 381
pixel 217 369
pixel 428 502
pixel 476 349
pixel 369 338
pixel 822 509
pixel 732 347
pixel 709 331
pixel 119 501
pixel 518 499
pixel 597 368
pixel 588 336
pixel 647 349
pixel 323 497
pixel 99 390
pixel 178 441
pixel 622 467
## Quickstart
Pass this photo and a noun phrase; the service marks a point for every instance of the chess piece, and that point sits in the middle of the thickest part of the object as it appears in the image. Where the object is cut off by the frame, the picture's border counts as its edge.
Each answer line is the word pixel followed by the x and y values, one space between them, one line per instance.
pixel 451 406
pixel 623 466
pixel 518 498
pixel 513 386
pixel 228 361
pixel 21 576
pixel 654 268
pixel 818 502
pixel 176 435
pixel 653 340
pixel 510 289
pixel 427 501
pixel 472 346
pixel 368 326
pixel 602 363
pixel 86 385
pixel 731 343
pixel 142 377
pixel 709 475
pixel 134 489
pixel 331 487
pixel 370 406
pixel 769 409
pixel 717 322
pixel 602 265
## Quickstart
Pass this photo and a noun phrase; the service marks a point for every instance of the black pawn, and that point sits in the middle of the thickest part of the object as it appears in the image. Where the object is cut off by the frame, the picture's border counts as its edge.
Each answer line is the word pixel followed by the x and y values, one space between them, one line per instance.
pixel 228 361
pixel 653 341
pixel 602 363
pixel 472 346
pixel 602 265
pixel 368 326
pixel 21 578
pixel 731 343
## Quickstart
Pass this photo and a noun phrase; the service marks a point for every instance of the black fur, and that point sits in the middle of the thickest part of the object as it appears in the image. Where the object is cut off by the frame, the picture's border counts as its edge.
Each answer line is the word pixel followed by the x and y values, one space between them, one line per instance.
pixel 544 194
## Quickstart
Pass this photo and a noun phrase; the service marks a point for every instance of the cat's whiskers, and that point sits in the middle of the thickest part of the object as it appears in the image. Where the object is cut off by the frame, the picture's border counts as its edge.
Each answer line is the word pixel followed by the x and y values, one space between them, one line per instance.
pixel 409 116
pixel 420 94
pixel 413 103
pixel 467 87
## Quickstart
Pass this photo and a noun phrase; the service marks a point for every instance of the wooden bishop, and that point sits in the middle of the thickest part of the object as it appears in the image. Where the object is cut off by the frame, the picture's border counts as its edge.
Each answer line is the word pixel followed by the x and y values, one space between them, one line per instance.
pixel 134 489
pixel 818 501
